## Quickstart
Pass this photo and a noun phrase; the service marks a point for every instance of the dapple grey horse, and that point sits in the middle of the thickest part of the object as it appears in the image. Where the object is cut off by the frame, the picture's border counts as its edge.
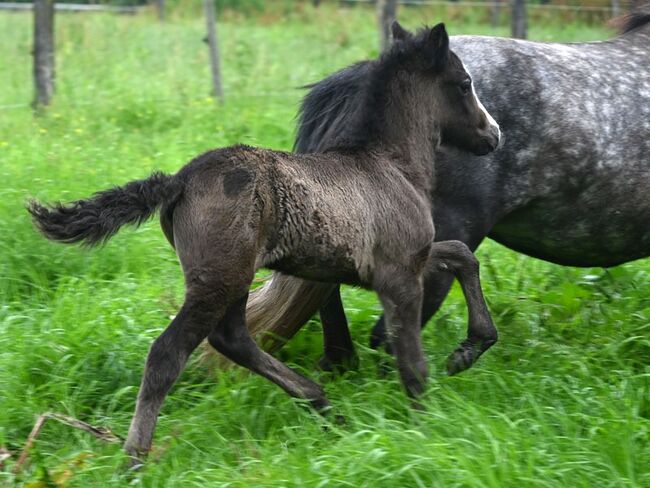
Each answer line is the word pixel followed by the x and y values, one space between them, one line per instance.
pixel 571 184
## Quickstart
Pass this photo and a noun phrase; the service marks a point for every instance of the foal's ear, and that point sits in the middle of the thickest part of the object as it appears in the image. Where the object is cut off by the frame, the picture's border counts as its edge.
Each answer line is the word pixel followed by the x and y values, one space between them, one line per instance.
pixel 399 32
pixel 438 45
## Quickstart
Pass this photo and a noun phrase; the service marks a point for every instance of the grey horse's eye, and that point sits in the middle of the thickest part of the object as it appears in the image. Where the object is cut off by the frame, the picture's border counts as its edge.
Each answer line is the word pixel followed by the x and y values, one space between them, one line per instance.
pixel 465 86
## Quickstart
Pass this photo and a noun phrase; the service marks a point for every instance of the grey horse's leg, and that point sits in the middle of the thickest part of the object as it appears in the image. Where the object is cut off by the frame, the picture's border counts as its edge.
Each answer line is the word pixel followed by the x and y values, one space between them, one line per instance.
pixel 232 339
pixel 339 353
pixel 166 360
pixel 401 298
pixel 455 257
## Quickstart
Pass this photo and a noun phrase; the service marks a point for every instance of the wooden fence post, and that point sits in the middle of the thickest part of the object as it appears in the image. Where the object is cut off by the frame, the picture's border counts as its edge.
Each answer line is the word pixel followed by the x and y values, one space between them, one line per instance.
pixel 211 20
pixel 519 23
pixel 43 52
pixel 495 12
pixel 386 14
pixel 160 7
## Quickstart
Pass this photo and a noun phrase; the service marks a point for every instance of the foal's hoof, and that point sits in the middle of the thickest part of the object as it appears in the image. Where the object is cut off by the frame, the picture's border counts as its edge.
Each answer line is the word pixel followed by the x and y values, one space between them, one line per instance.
pixel 417 405
pixel 339 365
pixel 335 421
pixel 135 460
pixel 461 359
pixel 131 466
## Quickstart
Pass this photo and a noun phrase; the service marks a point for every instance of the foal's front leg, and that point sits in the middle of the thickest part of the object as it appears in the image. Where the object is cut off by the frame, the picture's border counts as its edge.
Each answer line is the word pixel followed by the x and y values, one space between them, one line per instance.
pixel 455 257
pixel 401 297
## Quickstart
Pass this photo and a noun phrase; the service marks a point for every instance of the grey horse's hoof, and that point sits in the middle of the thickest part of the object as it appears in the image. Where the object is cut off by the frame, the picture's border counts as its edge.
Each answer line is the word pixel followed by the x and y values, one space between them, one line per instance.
pixel 339 365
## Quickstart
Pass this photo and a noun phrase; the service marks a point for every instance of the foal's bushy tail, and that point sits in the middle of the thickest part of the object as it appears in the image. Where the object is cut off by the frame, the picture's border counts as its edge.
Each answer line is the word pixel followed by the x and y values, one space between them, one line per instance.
pixel 97 219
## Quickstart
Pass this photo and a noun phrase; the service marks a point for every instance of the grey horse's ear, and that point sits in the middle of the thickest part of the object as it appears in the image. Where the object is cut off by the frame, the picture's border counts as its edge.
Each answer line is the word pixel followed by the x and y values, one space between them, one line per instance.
pixel 399 32
pixel 438 45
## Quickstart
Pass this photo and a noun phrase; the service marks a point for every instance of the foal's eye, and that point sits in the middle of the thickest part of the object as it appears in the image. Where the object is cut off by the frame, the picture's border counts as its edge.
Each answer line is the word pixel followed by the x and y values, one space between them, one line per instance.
pixel 465 87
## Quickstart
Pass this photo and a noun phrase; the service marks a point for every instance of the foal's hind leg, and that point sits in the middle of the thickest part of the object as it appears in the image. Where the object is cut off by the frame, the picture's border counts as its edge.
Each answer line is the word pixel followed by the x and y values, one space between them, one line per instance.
pixel 232 339
pixel 455 256
pixel 166 360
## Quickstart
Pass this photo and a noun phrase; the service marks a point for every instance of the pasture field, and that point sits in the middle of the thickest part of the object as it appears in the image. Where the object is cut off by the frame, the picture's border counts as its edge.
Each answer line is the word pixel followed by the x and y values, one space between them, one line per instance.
pixel 562 400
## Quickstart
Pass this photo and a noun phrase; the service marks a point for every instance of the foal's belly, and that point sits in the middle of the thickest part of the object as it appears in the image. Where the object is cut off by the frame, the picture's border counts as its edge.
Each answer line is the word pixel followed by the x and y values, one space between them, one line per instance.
pixel 334 267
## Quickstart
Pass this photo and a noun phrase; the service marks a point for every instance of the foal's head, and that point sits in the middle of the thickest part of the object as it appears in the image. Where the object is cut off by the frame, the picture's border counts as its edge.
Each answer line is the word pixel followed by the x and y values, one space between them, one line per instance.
pixel 421 83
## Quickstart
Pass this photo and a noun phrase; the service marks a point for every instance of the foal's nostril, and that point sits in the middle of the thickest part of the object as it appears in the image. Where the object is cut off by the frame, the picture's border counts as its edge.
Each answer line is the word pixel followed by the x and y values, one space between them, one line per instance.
pixel 489 140
pixel 492 142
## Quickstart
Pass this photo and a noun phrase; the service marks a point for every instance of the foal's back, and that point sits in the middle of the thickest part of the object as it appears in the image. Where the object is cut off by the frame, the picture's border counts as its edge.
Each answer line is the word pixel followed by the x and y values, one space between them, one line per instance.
pixel 318 216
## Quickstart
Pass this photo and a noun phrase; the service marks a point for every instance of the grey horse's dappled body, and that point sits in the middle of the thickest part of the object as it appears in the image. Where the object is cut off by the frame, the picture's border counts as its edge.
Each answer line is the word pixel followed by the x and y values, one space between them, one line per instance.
pixel 358 213
pixel 570 185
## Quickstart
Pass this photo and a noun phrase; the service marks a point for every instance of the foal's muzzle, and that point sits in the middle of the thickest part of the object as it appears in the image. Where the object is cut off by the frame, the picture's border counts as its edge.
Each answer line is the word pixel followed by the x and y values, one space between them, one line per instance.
pixel 489 141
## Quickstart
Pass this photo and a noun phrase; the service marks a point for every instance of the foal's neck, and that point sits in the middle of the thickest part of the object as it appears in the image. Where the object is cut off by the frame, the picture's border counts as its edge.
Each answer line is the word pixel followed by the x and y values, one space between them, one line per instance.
pixel 411 137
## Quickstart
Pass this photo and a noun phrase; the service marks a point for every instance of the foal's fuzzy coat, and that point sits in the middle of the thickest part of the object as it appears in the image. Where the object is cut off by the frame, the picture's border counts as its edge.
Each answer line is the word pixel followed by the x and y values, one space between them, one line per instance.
pixel 359 214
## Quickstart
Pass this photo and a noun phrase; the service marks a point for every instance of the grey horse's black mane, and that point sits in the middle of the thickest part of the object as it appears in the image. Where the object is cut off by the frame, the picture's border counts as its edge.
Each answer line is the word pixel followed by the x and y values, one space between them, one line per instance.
pixel 636 19
pixel 349 104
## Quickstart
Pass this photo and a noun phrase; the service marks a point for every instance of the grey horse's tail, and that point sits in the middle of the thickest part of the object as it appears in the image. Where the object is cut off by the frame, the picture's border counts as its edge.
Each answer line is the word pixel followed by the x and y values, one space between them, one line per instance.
pixel 276 311
pixel 96 219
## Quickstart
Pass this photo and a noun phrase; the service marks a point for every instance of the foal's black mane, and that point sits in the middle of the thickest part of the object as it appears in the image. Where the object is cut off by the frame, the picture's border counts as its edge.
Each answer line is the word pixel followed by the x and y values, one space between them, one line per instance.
pixel 636 19
pixel 345 111
pixel 329 106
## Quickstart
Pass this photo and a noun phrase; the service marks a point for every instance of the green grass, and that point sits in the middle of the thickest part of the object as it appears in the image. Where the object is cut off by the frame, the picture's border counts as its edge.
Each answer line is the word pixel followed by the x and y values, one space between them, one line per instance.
pixel 561 400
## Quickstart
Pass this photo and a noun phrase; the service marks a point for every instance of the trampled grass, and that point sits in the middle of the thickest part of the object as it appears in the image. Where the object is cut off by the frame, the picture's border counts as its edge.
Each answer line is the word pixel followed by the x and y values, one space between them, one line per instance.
pixel 562 400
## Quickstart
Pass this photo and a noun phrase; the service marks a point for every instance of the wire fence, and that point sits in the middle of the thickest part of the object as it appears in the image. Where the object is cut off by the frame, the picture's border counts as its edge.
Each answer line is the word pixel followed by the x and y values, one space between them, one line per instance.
pixel 75 7
pixel 615 7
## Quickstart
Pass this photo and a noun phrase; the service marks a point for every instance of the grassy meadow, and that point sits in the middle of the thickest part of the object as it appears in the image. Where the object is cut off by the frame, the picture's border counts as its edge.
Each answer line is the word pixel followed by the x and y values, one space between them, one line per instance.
pixel 562 400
